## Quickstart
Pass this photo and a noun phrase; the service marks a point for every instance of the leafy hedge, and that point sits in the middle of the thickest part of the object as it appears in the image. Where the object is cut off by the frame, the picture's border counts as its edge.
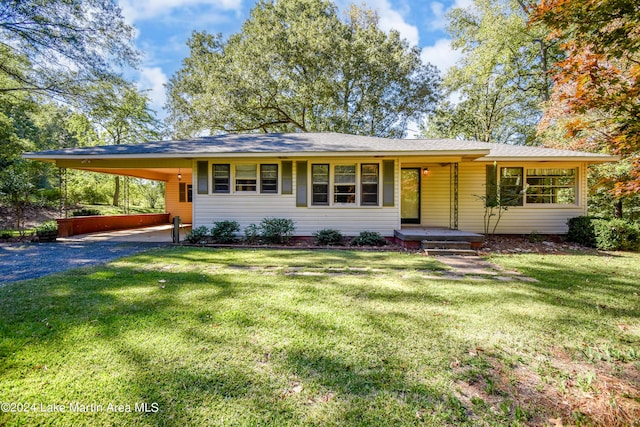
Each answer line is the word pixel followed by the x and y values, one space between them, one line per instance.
pixel 606 234
pixel 328 237
pixel 369 238
pixel 225 231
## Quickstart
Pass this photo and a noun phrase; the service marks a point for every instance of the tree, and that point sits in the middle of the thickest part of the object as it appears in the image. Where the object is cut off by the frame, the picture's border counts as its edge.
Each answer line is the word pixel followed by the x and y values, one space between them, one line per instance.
pixel 15 190
pixel 123 116
pixel 56 47
pixel 596 93
pixel 502 79
pixel 296 67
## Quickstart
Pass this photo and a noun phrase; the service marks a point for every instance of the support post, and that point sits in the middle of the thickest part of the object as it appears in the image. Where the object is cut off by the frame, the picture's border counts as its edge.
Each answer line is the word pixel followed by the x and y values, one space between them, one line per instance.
pixel 453 213
pixel 175 232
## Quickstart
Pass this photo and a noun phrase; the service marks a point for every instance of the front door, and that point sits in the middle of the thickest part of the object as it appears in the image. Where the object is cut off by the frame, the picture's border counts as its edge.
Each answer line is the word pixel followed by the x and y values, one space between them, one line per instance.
pixel 410 196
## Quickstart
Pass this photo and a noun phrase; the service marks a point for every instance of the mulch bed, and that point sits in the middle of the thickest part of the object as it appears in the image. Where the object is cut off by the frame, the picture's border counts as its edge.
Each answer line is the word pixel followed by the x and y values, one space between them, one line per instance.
pixel 543 244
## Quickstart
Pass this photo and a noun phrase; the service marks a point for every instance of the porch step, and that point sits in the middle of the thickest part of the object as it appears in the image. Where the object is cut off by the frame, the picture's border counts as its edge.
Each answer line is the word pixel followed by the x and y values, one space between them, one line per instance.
pixel 446 244
pixel 447 247
pixel 447 252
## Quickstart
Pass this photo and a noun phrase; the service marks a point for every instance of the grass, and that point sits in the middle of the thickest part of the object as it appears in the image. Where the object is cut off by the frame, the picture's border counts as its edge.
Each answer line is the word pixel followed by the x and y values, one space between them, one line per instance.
pixel 259 337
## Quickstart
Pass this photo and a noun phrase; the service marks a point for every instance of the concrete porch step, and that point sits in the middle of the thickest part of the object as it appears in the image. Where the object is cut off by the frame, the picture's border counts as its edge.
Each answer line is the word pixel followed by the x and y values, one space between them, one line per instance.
pixel 446 244
pixel 447 252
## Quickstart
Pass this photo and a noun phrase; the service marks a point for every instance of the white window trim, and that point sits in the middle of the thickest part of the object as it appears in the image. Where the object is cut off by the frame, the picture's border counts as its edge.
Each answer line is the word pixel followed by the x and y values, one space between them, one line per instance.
pixel 232 178
pixel 525 204
pixel 358 194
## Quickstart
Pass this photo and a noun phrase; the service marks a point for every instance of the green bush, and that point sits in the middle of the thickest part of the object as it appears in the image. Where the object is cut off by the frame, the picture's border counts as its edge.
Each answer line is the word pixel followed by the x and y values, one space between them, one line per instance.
pixel 369 238
pixel 225 231
pixel 86 212
pixel 581 230
pixel 197 235
pixel 328 236
pixel 47 226
pixel 616 234
pixel 277 230
pixel 252 234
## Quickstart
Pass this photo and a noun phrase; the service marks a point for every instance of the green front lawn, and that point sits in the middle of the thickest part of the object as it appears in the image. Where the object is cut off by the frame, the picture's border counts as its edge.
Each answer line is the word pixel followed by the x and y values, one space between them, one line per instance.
pixel 259 337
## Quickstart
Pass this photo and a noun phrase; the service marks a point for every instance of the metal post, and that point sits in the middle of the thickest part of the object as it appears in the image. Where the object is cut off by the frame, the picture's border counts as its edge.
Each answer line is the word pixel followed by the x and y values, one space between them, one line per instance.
pixel 175 232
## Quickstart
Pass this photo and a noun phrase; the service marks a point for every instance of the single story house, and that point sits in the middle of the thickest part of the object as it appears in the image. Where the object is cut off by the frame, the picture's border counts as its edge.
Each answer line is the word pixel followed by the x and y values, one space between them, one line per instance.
pixel 351 183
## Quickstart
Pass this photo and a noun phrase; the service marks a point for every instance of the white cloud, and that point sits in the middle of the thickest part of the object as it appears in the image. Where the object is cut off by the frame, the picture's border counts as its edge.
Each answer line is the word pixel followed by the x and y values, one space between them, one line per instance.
pixel 439 21
pixel 136 10
pixel 154 79
pixel 441 54
pixel 390 18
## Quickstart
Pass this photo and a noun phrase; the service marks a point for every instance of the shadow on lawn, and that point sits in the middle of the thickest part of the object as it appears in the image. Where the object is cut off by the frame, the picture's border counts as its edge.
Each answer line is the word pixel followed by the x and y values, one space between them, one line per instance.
pixel 257 360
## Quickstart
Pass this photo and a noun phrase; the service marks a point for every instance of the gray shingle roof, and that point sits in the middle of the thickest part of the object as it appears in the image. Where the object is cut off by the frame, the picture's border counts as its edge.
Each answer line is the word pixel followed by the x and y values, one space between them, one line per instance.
pixel 300 143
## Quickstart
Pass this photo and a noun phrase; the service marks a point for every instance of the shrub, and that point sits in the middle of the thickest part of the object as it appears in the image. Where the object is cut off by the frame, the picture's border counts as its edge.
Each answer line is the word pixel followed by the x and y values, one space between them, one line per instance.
pixel 86 212
pixel 616 234
pixel 328 236
pixel 581 230
pixel 535 237
pixel 277 230
pixel 197 235
pixel 224 231
pixel 252 234
pixel 47 226
pixel 369 238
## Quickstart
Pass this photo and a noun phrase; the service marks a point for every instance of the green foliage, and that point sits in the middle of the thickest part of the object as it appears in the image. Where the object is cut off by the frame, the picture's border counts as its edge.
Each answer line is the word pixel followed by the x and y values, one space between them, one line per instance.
pixel 581 230
pixel 47 226
pixel 328 237
pixel 502 78
pixel 277 230
pixel 605 234
pixel 55 47
pixel 197 235
pixel 616 234
pixel 296 66
pixel 369 238
pixel 535 237
pixel 86 212
pixel 15 190
pixel 252 234
pixel 224 231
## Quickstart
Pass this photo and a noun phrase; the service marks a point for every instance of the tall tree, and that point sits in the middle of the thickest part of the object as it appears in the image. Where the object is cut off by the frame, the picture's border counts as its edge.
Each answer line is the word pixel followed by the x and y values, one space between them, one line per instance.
pixel 123 116
pixel 55 47
pixel 501 81
pixel 296 67
pixel 596 95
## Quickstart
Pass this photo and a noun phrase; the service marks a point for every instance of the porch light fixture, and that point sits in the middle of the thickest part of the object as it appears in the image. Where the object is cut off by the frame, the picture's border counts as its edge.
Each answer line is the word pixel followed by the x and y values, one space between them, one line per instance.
pixel 179 174
pixel 425 171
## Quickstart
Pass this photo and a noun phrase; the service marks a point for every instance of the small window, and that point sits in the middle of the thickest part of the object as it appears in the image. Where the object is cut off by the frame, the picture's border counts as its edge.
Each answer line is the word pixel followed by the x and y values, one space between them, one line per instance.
pixel 221 178
pixel 344 186
pixel 246 177
pixel 552 186
pixel 269 178
pixel 369 176
pixel 185 192
pixel 320 184
pixel 511 180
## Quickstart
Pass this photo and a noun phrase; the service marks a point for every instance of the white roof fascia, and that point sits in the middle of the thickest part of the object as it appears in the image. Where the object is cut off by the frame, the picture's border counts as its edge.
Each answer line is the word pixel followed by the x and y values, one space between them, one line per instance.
pixel 435 153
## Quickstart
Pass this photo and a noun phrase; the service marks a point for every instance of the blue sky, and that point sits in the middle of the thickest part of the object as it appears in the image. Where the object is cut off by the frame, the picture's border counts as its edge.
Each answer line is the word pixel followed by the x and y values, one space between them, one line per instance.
pixel 164 26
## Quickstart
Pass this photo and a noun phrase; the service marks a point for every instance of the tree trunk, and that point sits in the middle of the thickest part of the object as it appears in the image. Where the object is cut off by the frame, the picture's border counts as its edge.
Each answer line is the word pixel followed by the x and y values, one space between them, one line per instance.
pixel 116 192
pixel 617 209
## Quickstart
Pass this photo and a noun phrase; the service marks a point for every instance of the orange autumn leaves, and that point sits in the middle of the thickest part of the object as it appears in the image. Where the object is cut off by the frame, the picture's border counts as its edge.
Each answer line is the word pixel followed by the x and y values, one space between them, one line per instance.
pixel 597 87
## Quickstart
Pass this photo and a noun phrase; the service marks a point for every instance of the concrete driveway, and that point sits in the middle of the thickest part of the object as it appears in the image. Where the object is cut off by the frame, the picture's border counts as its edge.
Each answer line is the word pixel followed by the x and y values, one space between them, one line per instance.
pixel 22 261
